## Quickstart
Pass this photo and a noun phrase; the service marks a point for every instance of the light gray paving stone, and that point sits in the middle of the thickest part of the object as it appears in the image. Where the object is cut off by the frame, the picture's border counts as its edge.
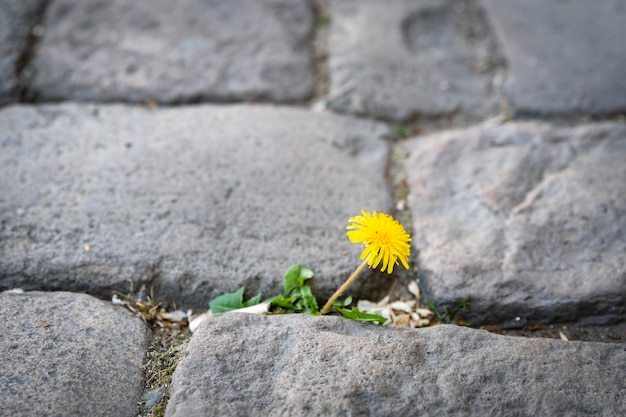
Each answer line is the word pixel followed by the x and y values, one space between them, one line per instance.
pixel 64 354
pixel 171 52
pixel 528 220
pixel 564 57
pixel 17 17
pixel 313 366
pixel 194 201
pixel 402 59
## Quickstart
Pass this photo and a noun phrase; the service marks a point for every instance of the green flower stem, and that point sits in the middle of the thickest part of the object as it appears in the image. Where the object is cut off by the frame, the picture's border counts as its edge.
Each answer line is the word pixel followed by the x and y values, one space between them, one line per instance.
pixel 344 287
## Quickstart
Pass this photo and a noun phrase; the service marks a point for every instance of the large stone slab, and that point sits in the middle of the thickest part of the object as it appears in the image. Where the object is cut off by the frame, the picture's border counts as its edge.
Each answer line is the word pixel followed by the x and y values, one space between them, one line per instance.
pixel 194 201
pixel 17 17
pixel 402 59
pixel 328 366
pixel 563 56
pixel 171 52
pixel 528 220
pixel 64 354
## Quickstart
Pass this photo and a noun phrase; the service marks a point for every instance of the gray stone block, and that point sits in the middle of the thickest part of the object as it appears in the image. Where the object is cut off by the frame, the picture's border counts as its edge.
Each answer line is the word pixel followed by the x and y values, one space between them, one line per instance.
pixel 172 52
pixel 328 366
pixel 194 201
pixel 528 220
pixel 564 57
pixel 17 17
pixel 65 354
pixel 401 59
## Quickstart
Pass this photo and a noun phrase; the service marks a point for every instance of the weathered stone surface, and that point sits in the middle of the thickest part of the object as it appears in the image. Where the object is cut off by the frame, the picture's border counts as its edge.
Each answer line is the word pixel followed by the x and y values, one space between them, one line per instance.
pixel 399 59
pixel 189 50
pixel 17 18
pixel 65 354
pixel 563 56
pixel 193 200
pixel 314 366
pixel 527 220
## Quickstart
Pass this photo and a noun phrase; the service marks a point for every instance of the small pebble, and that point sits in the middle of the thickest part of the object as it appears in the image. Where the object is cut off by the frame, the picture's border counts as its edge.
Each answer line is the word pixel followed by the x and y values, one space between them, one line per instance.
pixel 153 397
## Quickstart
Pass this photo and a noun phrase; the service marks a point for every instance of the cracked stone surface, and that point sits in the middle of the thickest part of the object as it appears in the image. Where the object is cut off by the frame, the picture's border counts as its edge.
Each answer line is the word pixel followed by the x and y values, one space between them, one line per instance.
pixel 196 201
pixel 313 366
pixel 564 57
pixel 528 220
pixel 17 17
pixel 397 60
pixel 191 50
pixel 70 355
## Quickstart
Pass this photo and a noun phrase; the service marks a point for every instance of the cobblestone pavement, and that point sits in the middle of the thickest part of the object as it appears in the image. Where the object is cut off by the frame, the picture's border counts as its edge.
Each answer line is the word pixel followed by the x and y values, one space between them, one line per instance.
pixel 200 146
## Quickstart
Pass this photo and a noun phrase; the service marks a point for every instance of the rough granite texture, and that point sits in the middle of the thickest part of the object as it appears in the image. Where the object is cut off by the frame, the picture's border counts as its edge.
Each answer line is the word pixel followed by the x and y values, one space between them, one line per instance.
pixel 528 220
pixel 563 57
pixel 171 52
pixel 17 17
pixel 65 354
pixel 195 201
pixel 328 366
pixel 401 59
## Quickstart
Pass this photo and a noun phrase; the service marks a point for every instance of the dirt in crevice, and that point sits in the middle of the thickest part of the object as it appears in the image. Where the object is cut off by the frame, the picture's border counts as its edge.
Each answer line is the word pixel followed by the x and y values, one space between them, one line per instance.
pixel 23 67
pixel 320 49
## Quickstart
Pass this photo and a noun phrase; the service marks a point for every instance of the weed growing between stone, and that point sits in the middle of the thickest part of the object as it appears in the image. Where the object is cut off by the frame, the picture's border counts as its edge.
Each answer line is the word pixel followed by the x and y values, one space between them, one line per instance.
pixel 384 241
pixel 448 316
pixel 385 244
pixel 163 356
pixel 170 330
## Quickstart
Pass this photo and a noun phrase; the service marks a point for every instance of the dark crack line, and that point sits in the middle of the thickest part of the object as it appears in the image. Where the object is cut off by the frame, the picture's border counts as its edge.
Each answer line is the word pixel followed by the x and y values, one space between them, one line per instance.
pixel 23 69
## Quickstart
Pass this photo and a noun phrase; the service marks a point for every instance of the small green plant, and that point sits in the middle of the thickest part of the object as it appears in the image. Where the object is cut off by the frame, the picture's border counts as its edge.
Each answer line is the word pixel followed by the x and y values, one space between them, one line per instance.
pixel 384 242
pixel 448 316
pixel 297 296
pixel 402 132
pixel 323 20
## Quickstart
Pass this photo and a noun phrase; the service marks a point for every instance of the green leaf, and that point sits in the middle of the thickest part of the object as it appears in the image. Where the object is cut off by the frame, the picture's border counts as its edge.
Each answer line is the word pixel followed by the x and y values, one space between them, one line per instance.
pixel 302 300
pixel 323 20
pixel 402 132
pixel 232 301
pixel 295 277
pixel 432 307
pixel 280 301
pixel 227 302
pixel 344 303
pixel 357 315
pixel 253 301
pixel 309 301
pixel 461 305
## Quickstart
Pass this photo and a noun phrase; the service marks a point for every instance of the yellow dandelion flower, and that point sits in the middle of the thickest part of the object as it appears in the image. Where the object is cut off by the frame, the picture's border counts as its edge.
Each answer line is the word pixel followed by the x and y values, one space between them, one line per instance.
pixel 383 238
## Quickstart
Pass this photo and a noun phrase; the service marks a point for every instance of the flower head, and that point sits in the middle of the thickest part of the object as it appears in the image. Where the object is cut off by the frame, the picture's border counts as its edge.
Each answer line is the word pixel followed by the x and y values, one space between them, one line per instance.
pixel 383 238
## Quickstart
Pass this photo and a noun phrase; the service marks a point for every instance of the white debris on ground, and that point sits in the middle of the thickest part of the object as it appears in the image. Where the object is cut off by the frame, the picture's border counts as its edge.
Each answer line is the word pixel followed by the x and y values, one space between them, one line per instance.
pixel 261 308
pixel 402 313
pixel 14 291
pixel 195 322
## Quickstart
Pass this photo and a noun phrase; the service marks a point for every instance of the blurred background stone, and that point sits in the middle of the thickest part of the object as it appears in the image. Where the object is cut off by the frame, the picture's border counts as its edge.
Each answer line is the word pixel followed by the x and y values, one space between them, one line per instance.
pixel 18 19
pixel 173 52
pixel 563 57
pixel 406 59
